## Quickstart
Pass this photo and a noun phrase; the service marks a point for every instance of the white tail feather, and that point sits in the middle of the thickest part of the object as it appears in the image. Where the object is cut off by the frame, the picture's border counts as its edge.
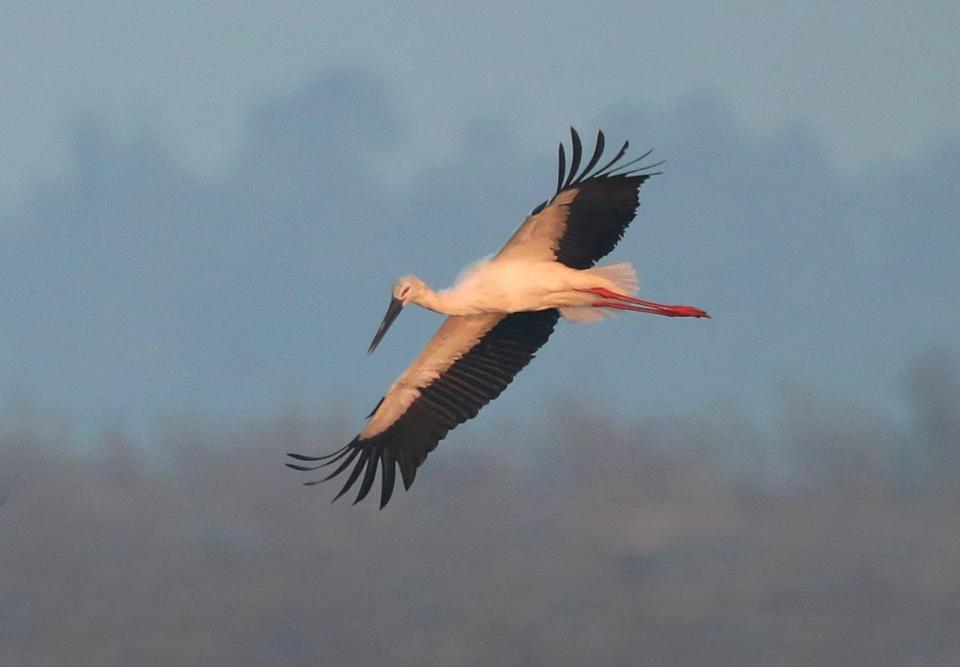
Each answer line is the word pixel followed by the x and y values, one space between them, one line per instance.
pixel 622 279
pixel 622 275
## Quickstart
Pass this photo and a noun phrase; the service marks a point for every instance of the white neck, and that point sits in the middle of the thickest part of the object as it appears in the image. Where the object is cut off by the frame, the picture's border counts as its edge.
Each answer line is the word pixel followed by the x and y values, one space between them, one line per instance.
pixel 444 302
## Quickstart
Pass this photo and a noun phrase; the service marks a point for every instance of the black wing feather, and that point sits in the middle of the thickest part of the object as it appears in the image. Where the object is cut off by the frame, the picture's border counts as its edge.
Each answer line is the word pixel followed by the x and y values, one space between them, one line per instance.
pixel 475 379
pixel 616 158
pixel 597 152
pixel 561 168
pixel 575 160
pixel 369 473
pixel 355 473
pixel 388 475
pixel 597 219
pixel 605 203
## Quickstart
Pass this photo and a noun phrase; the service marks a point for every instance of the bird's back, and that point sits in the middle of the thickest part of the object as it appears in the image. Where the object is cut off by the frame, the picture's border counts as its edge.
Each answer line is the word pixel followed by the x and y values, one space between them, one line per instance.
pixel 510 285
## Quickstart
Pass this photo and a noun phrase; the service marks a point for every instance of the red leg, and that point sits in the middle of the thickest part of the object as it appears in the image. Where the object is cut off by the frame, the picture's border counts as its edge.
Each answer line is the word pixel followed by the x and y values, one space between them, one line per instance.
pixel 619 305
pixel 644 306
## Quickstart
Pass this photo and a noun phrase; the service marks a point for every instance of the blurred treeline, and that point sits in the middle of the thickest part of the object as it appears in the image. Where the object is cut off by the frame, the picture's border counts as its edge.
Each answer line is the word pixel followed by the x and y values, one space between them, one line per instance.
pixel 831 539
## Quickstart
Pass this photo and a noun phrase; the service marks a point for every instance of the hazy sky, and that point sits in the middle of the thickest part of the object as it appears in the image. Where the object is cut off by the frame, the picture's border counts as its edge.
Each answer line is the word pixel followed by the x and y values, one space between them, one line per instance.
pixel 204 206
pixel 877 79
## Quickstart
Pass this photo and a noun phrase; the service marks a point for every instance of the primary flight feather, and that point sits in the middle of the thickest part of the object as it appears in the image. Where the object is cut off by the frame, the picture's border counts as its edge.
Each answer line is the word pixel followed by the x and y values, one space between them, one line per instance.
pixel 500 312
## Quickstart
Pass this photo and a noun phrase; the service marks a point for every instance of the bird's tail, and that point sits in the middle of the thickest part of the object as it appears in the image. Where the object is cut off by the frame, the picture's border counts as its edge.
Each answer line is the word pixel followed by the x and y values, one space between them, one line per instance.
pixel 622 279
pixel 622 276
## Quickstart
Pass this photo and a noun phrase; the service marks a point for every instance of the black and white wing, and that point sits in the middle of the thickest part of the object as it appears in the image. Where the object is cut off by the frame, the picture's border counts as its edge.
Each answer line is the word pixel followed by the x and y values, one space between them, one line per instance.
pixel 468 363
pixel 589 212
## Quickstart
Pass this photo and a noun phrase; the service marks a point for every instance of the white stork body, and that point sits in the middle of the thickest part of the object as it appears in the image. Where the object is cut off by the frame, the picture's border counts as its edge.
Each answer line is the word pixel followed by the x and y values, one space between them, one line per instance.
pixel 500 312
pixel 510 285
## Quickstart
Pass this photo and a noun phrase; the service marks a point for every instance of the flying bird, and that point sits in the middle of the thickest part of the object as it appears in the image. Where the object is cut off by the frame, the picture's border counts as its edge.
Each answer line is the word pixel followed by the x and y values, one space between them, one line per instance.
pixel 499 314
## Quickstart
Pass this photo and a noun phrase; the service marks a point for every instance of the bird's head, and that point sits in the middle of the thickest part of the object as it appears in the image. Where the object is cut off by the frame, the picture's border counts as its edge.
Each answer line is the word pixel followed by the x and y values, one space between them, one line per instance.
pixel 406 290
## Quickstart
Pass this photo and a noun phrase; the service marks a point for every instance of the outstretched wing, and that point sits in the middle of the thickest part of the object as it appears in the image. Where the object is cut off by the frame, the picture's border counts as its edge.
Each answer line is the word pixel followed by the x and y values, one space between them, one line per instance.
pixel 589 212
pixel 468 363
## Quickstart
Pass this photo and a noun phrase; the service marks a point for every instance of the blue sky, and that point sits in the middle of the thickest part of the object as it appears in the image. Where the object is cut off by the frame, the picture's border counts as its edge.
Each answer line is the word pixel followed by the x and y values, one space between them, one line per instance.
pixel 203 207
pixel 876 79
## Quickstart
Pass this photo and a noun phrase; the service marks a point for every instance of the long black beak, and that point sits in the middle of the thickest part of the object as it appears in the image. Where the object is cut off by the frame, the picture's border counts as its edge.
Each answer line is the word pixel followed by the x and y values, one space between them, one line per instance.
pixel 396 305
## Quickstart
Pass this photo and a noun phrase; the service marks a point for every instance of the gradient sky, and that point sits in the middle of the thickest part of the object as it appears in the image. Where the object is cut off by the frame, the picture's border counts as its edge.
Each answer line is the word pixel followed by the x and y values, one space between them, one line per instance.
pixel 876 79
pixel 182 212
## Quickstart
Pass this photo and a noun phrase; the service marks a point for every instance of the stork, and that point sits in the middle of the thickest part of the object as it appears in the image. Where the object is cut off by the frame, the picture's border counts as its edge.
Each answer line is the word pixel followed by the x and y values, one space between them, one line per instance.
pixel 500 313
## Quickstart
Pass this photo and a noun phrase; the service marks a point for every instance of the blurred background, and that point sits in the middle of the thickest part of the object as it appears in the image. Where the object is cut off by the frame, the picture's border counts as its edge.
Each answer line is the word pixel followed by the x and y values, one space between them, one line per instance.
pixel 203 206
